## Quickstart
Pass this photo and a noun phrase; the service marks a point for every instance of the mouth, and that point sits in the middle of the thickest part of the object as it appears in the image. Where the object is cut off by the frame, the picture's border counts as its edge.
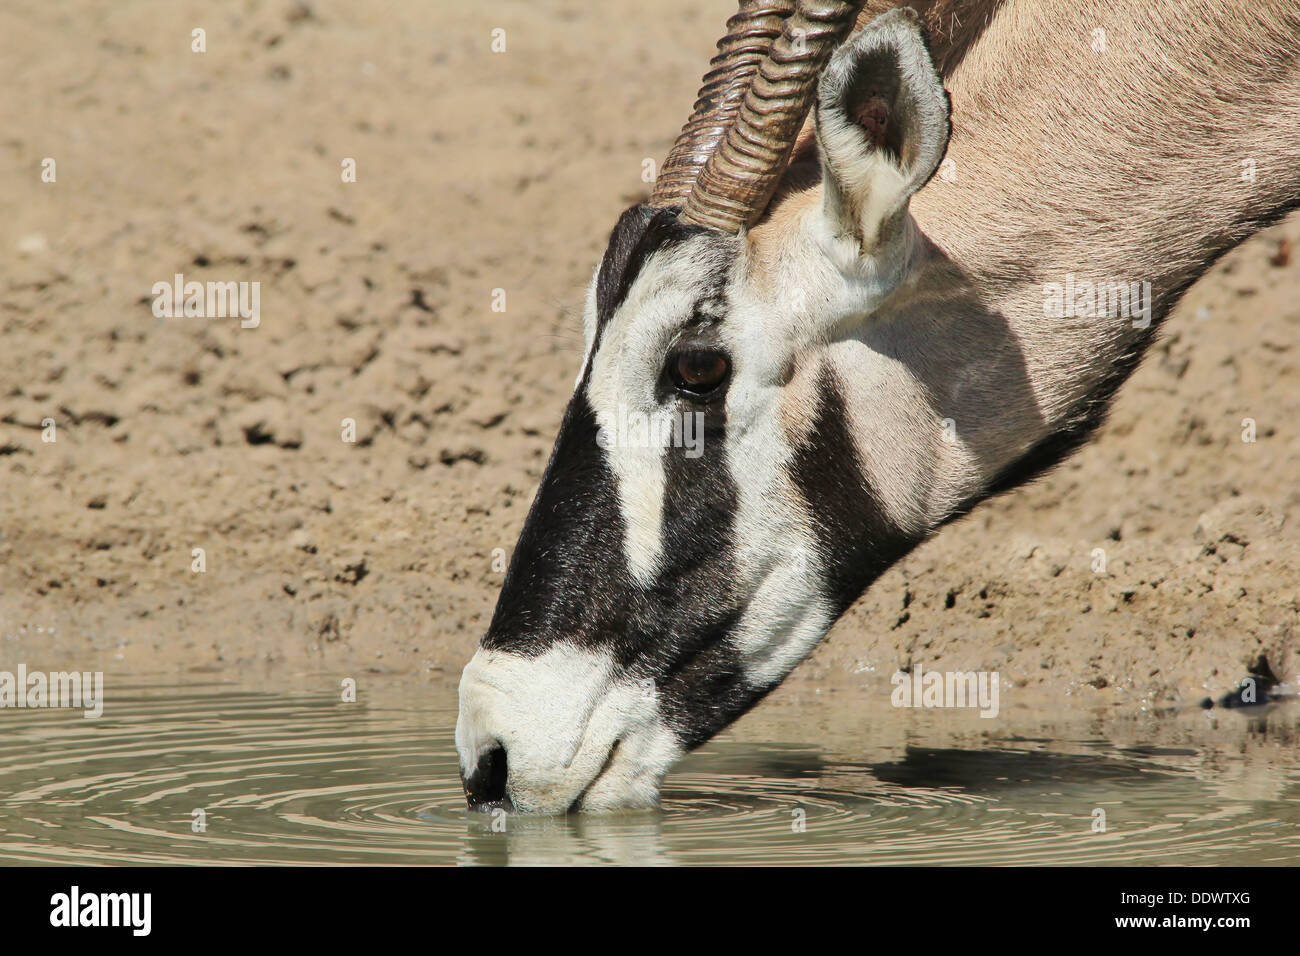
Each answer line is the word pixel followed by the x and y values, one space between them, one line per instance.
pixel 557 733
pixel 487 786
pixel 578 802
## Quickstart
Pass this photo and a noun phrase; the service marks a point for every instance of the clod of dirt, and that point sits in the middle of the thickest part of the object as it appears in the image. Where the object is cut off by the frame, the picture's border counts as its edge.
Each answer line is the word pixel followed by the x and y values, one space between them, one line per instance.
pixel 267 422
pixel 1283 255
pixel 449 457
pixel 329 629
pixel 353 571
pixel 301 540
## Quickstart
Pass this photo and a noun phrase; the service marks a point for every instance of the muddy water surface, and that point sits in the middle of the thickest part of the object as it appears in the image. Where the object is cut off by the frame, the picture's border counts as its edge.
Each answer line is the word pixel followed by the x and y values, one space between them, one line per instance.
pixel 297 776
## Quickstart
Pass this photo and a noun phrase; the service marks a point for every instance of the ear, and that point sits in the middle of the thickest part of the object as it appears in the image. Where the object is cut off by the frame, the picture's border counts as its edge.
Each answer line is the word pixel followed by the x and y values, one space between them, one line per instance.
pixel 882 128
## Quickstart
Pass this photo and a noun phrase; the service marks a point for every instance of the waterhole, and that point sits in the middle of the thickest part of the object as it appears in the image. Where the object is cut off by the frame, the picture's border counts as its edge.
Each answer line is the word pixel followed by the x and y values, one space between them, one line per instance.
pixel 300 777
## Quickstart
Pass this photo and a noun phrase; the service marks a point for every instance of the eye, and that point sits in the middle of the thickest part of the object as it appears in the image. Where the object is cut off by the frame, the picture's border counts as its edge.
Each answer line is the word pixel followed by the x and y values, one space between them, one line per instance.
pixel 698 371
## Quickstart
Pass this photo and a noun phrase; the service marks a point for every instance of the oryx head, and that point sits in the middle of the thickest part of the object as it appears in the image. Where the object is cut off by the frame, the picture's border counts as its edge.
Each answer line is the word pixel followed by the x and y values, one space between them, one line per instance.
pixel 709 508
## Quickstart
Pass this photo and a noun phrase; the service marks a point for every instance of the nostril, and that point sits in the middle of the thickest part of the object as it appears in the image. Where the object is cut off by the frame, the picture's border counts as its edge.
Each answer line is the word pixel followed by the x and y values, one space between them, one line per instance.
pixel 486 784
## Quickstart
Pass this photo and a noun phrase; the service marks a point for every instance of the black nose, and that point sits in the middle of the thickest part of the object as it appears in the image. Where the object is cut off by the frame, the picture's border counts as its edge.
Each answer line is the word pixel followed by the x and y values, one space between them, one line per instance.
pixel 485 787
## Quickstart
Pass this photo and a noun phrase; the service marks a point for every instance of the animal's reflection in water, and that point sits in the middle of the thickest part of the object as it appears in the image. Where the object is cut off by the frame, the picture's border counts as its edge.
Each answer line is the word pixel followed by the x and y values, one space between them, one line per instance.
pixel 790 804
pixel 633 838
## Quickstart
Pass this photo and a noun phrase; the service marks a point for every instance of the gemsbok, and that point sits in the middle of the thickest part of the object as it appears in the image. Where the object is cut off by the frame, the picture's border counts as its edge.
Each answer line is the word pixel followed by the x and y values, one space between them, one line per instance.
pixel 863 349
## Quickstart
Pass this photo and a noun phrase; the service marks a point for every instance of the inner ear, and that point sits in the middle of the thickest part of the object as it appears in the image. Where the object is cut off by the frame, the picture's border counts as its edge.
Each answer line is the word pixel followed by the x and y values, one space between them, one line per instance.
pixel 872 104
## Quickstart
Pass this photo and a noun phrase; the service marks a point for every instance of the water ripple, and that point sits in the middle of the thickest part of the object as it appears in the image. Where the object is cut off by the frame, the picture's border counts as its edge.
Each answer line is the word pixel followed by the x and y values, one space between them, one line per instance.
pixel 301 779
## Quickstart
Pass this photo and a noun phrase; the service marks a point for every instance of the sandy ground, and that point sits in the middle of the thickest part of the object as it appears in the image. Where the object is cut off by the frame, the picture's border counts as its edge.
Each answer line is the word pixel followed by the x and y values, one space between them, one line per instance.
pixel 480 171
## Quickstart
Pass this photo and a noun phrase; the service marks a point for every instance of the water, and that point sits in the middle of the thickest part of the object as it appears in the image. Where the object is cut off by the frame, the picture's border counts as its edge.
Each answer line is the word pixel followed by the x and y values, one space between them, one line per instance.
pixel 300 777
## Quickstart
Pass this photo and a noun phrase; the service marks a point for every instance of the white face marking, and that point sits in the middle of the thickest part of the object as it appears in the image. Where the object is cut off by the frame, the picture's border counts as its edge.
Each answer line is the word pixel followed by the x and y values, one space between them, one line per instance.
pixel 558 715
pixel 775 550
pixel 624 376
pixel 588 327
pixel 834 294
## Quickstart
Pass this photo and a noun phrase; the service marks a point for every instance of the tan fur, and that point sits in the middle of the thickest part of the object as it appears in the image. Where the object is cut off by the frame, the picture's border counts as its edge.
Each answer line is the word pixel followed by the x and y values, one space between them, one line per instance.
pixel 1123 163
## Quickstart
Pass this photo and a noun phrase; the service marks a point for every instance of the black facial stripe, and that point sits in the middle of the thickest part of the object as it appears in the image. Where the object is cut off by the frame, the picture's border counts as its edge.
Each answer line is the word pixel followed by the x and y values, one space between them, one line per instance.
pixel 569 580
pixel 567 577
pixel 707 693
pixel 694 605
pixel 693 597
pixel 855 539
pixel 640 232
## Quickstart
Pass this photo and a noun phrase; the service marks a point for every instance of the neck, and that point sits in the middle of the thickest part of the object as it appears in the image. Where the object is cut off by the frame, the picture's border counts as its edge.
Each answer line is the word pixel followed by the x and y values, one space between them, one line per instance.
pixel 1122 162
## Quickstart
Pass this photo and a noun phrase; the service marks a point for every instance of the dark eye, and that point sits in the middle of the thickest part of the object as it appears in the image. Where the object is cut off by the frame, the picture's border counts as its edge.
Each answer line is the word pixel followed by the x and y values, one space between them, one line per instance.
pixel 699 371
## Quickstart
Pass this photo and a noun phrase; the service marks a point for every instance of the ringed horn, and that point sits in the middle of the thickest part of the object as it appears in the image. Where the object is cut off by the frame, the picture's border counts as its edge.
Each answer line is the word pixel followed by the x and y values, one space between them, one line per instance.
pixel 732 152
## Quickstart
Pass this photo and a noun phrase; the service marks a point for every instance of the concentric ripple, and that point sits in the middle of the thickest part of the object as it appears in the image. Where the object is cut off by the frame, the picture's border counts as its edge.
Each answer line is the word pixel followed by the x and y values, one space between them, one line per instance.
pixel 300 778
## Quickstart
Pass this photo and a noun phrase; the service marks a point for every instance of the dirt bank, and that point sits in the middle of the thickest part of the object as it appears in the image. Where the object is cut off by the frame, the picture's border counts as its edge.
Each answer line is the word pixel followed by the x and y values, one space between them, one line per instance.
pixel 477 172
